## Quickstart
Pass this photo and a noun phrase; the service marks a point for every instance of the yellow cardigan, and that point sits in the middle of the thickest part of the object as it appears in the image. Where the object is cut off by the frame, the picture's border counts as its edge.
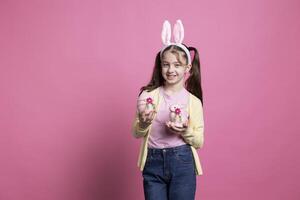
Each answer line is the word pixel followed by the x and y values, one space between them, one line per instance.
pixel 193 135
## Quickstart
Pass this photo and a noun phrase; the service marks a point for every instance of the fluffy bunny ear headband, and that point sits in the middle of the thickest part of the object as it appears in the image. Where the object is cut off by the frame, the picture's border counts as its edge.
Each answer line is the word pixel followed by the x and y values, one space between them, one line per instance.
pixel 178 33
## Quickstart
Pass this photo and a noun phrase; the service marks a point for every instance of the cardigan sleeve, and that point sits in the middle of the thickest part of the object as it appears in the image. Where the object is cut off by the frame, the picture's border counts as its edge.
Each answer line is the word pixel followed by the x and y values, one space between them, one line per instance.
pixel 137 131
pixel 194 135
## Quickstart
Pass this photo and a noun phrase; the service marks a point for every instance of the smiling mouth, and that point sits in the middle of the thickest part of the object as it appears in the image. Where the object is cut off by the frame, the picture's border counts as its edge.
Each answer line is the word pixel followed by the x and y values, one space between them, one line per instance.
pixel 171 76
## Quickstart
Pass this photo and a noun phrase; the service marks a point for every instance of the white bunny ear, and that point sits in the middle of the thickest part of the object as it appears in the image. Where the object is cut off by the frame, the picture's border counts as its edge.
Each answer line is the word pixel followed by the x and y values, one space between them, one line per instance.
pixel 178 31
pixel 166 33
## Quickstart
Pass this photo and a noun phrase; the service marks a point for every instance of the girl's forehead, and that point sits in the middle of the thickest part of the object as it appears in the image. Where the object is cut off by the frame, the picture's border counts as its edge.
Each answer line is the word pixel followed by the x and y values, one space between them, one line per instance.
pixel 171 57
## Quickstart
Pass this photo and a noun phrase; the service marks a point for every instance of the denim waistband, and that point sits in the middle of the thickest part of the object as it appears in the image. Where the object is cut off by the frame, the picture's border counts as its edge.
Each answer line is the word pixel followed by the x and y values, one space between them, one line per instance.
pixel 169 149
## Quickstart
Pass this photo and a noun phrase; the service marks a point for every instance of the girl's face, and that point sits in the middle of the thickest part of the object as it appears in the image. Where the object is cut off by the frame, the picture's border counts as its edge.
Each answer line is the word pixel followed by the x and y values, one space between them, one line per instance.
pixel 173 71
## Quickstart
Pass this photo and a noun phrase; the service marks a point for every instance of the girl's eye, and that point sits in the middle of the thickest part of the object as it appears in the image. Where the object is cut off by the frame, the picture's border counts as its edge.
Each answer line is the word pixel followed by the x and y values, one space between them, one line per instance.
pixel 167 65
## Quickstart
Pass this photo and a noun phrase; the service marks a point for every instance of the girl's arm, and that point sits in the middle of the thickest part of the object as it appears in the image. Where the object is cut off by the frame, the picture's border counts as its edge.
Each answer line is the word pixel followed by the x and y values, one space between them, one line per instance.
pixel 194 133
pixel 138 130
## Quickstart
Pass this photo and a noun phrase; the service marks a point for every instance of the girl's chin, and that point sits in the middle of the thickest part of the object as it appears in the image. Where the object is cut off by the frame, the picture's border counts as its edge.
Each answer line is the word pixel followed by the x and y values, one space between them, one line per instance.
pixel 170 82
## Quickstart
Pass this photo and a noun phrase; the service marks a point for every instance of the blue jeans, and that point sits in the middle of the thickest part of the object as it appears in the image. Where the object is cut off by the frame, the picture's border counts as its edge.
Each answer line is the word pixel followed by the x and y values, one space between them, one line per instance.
pixel 169 174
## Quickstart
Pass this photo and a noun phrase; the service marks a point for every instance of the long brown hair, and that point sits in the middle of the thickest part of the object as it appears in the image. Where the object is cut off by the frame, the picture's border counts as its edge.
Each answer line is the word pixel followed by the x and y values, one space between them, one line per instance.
pixel 192 84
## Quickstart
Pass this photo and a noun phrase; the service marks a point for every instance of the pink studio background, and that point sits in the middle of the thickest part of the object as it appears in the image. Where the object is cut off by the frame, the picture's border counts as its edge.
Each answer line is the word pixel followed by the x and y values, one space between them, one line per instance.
pixel 70 73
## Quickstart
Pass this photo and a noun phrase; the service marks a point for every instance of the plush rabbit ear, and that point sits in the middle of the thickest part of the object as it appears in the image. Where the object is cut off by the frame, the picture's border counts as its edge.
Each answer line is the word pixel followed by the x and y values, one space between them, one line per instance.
pixel 178 31
pixel 166 33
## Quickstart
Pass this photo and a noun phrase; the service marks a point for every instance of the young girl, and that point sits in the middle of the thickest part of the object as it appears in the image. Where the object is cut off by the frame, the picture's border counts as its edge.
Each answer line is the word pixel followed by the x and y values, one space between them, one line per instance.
pixel 169 118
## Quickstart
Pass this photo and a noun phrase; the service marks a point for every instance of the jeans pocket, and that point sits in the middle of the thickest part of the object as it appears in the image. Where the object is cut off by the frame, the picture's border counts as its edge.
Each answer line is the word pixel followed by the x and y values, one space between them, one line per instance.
pixel 185 156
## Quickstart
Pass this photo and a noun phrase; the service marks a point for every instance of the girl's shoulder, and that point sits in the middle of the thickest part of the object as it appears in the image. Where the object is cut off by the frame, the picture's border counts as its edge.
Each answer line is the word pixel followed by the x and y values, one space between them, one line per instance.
pixel 194 99
pixel 146 94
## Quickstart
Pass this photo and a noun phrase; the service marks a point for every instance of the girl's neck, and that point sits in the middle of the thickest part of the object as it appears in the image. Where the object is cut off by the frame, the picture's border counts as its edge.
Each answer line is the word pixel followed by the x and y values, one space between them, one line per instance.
pixel 173 88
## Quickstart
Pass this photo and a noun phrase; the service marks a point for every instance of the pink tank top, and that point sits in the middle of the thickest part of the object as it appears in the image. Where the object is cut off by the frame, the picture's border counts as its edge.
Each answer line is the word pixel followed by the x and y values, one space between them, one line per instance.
pixel 160 135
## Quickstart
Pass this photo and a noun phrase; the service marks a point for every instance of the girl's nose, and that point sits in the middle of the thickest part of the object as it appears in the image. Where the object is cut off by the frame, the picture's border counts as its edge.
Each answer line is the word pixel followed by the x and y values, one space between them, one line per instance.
pixel 171 68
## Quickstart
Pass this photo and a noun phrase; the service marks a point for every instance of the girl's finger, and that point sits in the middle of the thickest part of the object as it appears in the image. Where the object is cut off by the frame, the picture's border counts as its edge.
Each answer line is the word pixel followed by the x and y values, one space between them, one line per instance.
pixel 152 114
pixel 144 117
pixel 185 125
pixel 148 117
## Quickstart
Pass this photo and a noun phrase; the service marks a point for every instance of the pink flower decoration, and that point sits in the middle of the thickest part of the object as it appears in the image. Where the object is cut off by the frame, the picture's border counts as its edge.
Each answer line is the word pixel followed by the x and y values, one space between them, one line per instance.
pixel 149 100
pixel 177 111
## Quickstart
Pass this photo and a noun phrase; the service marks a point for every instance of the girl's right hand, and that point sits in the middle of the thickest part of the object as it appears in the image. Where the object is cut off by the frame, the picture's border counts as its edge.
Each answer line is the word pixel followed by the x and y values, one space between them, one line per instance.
pixel 146 118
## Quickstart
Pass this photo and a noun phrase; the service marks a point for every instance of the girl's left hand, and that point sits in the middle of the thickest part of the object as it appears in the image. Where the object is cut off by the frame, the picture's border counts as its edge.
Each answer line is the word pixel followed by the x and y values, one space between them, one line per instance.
pixel 176 129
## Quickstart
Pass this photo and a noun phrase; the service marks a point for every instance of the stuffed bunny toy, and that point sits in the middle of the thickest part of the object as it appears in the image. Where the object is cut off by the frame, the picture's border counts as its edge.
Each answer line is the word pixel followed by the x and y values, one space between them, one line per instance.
pixel 146 105
pixel 177 116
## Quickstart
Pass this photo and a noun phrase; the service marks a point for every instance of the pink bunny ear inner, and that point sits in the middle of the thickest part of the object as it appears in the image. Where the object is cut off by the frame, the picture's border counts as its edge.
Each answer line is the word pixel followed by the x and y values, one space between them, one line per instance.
pixel 178 31
pixel 166 33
